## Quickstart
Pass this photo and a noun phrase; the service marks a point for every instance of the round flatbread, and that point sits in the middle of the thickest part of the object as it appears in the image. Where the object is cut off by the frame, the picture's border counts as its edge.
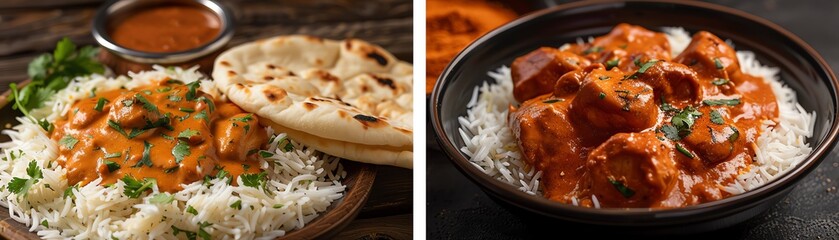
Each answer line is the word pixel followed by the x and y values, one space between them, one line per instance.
pixel 347 98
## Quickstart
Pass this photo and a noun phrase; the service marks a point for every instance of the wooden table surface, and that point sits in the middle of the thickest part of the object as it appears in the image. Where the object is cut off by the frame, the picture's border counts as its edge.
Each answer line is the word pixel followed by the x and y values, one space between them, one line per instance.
pixel 29 28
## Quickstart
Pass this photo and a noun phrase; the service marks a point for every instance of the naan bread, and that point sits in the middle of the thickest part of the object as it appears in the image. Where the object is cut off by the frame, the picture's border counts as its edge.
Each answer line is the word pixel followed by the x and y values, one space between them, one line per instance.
pixel 347 98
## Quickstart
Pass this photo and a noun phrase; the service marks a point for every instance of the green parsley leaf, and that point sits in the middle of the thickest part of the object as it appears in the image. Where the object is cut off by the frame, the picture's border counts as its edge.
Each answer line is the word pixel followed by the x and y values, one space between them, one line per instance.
pixel 191 209
pixel 733 137
pixel 278 205
pixel 602 95
pixel 244 119
pixel 623 189
pixel 45 223
pixel 612 63
pixel 191 94
pixel 684 151
pixel 180 151
pixel 162 198
pixel 718 63
pixel 717 102
pixel 595 49
pixel 146 159
pixel 671 132
pixel 117 127
pixel 113 155
pixel 68 141
pixel 22 185
pixel 685 119
pixel 719 81
pixel 100 104
pixel 203 234
pixel 188 133
pixel 646 66
pixel 237 204
pixel 716 117
pixel 112 166
pixel 210 104
pixel 202 115
pixel 146 103
pixel 253 180
pixel 266 154
pixel 133 187
pixel 69 191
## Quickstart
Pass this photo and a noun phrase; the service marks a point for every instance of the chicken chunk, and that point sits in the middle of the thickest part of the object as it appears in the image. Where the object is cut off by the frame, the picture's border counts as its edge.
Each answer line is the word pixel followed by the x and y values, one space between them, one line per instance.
pixel 536 73
pixel 632 170
pixel 609 103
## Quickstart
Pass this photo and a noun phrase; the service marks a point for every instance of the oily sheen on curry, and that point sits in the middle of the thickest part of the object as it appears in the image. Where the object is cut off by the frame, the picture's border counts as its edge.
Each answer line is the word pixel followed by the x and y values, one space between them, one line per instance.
pixel 168 131
pixel 621 119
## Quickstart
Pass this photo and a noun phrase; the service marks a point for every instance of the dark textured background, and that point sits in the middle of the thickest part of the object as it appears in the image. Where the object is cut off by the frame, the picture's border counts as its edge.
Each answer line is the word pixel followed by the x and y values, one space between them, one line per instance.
pixel 457 209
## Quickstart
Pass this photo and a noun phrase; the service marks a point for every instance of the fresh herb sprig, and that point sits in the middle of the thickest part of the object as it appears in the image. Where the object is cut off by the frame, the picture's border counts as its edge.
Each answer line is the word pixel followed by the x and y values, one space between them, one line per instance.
pixel 51 73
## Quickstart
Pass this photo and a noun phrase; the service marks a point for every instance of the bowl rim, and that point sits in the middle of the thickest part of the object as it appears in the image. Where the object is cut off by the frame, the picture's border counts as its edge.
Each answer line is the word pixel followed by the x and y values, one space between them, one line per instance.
pixel 699 212
pixel 103 38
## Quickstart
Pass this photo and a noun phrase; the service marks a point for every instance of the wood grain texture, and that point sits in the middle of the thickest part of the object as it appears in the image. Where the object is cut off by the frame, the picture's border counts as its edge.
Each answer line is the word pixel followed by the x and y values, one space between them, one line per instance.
pixel 383 228
pixel 32 29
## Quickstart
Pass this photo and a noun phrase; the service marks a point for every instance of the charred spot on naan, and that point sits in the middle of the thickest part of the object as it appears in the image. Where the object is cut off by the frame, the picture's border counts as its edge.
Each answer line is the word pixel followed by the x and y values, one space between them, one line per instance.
pixel 326 76
pixel 378 57
pixel 309 106
pixel 225 63
pixel 231 73
pixel 387 82
pixel 369 121
pixel 274 94
pixel 268 78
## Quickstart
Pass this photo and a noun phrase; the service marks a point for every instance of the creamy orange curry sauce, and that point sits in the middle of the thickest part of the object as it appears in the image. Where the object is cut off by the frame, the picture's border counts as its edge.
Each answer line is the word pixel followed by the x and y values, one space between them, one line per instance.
pixel 170 132
pixel 623 120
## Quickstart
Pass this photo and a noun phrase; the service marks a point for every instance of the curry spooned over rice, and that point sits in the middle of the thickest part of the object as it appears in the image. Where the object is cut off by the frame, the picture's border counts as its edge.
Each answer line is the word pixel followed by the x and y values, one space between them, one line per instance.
pixel 167 131
pixel 636 119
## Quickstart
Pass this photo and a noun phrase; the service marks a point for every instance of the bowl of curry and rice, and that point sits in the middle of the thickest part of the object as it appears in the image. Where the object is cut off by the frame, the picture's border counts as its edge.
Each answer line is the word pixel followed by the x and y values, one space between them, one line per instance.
pixel 644 116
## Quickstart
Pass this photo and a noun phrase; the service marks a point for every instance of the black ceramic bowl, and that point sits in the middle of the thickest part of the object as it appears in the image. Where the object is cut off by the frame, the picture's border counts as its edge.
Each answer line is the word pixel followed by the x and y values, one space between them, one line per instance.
pixel 801 68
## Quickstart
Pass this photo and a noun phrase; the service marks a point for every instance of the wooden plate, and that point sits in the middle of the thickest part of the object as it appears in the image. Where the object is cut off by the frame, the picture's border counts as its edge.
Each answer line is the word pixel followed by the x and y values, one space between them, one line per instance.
pixel 359 181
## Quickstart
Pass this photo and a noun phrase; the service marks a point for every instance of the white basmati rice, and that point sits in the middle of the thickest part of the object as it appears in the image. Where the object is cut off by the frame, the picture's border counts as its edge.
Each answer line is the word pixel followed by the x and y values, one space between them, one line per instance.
pixel 302 183
pixel 491 146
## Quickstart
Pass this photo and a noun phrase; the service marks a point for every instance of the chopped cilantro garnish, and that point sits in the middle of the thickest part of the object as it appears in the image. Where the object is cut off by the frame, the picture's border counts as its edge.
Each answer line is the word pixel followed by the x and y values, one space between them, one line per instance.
pixel 133 187
pixel 237 204
pixel 162 198
pixel 716 117
pixel 68 141
pixel 717 102
pixel 684 151
pixel 146 159
pixel 623 189
pixel 180 151
pixel 112 166
pixel 100 104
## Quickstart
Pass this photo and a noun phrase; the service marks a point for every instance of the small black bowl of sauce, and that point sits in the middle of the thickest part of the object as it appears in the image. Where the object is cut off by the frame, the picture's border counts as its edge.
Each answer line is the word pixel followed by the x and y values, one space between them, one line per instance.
pixel 139 34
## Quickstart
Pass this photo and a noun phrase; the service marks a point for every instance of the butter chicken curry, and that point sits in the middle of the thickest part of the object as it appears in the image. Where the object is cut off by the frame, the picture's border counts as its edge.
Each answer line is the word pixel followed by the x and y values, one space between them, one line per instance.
pixel 170 131
pixel 621 119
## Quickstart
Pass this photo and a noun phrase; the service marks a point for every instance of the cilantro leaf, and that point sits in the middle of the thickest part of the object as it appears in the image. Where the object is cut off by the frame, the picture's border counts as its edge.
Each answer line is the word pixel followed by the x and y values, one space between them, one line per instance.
pixel 623 189
pixel 716 117
pixel 192 210
pixel 146 159
pixel 112 166
pixel 133 187
pixel 68 141
pixel 717 102
pixel 253 180
pixel 180 151
pixel 162 198
pixel 237 205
